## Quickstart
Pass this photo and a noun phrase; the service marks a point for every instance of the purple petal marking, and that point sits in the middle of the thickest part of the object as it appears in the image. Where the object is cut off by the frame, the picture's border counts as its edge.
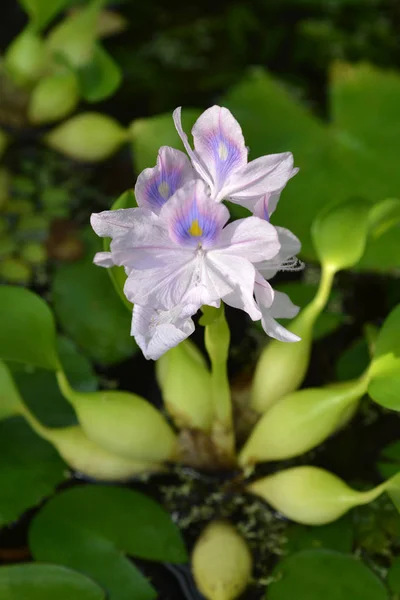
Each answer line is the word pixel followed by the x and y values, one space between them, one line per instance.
pixel 193 218
pixel 155 186
pixel 261 207
pixel 219 142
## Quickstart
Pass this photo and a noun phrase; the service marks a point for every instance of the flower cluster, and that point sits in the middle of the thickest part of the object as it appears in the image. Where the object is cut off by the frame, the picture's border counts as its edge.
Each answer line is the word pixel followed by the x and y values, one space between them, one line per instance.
pixel 177 247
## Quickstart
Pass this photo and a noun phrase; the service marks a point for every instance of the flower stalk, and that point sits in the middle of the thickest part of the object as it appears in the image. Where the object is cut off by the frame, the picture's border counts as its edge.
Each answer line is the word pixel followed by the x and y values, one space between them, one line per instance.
pixel 217 339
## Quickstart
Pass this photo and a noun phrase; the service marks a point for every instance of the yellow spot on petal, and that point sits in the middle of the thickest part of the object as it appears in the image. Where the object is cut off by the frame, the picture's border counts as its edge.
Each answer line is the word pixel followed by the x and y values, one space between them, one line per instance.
pixel 222 151
pixel 195 229
pixel 163 188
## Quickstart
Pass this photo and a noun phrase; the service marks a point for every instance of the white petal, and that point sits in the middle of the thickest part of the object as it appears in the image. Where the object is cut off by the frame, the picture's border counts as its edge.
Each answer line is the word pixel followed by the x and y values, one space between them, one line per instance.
pixel 275 330
pixel 196 160
pixel 290 246
pixel 233 278
pixel 112 223
pixel 158 331
pixel 282 307
pixel 263 175
pixel 250 238
pixel 263 291
pixel 103 259
pixel 274 304
pixel 163 286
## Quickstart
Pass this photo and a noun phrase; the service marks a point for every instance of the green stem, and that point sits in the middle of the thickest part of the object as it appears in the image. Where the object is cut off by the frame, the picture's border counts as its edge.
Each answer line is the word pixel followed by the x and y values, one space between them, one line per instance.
pixel 217 339
pixel 321 298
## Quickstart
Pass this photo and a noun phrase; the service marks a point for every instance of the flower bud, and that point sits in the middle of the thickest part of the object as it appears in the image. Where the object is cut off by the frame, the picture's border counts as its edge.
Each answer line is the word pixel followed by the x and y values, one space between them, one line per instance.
pixel 25 58
pixel 299 422
pixel 221 562
pixel 123 423
pixel 310 495
pixel 53 98
pixel 90 459
pixel 185 384
pixel 87 137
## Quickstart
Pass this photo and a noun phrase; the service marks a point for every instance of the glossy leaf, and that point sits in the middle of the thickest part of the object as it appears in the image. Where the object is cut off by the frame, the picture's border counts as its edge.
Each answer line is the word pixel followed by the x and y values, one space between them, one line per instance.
pixel 353 361
pixel 74 37
pixel 388 340
pixel 10 400
pixel 337 160
pixel 345 221
pixel 91 528
pixel 384 387
pixel 89 310
pixel 30 469
pixel 393 576
pixel 27 331
pixel 389 460
pixel 383 216
pixel 334 536
pixel 148 135
pixel 316 574
pixel 40 390
pixel 101 77
pixel 46 582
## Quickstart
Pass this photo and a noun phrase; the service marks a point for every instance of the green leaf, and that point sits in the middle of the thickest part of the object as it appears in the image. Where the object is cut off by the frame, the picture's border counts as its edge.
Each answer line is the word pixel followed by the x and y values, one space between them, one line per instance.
pixel 90 528
pixel 301 294
pixel 393 576
pixel 149 134
pixel 353 361
pixel 389 463
pixel 77 367
pixel 316 574
pixel 334 536
pixel 30 469
pixel 336 161
pixel 40 390
pixel 384 387
pixel 383 216
pixel 27 331
pixel 101 77
pixel 46 582
pixel 388 340
pixel 345 221
pixel 117 274
pixel 41 12
pixel 10 400
pixel 89 311
pixel 74 38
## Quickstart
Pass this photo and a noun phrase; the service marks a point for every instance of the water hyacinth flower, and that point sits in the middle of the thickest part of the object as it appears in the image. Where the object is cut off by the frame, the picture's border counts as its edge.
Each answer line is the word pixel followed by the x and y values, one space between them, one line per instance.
pixel 177 249
pixel 220 158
